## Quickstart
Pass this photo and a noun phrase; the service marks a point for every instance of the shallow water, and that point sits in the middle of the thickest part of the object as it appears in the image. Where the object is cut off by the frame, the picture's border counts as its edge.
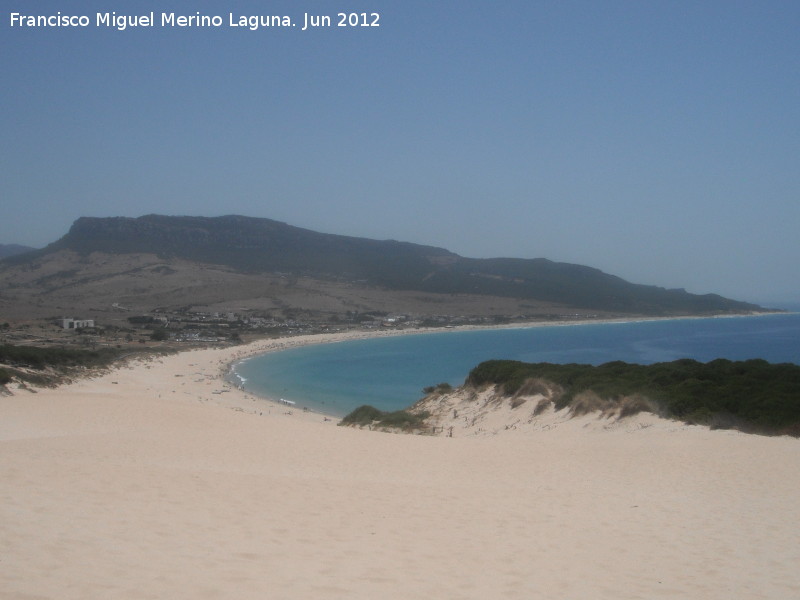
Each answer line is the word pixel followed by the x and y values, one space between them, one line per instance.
pixel 389 373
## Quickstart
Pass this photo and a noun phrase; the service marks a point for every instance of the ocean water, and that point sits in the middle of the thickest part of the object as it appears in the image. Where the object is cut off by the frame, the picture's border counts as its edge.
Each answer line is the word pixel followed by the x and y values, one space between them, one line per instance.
pixel 389 373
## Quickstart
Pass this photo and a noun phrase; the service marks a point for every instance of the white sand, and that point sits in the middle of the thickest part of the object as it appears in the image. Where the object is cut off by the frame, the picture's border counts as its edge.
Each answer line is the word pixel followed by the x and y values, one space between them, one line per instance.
pixel 155 487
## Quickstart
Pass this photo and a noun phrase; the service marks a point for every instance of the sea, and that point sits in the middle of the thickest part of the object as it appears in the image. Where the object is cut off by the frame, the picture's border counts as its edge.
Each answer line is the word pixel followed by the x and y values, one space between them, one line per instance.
pixel 391 372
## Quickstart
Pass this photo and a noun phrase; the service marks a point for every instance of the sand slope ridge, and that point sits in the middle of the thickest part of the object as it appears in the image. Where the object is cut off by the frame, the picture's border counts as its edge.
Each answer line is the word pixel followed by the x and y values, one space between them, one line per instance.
pixel 467 411
pixel 144 483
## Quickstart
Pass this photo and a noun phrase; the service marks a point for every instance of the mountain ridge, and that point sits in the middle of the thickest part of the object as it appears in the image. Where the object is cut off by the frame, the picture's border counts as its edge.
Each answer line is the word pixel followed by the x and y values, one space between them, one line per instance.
pixel 259 247
pixel 7 250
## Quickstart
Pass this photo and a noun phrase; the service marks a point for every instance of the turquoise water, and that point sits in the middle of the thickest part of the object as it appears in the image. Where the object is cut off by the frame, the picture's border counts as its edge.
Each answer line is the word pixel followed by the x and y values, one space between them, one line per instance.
pixel 389 373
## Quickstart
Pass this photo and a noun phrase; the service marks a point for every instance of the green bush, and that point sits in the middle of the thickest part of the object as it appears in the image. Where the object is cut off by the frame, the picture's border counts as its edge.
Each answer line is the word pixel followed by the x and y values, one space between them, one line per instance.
pixel 401 419
pixel 40 358
pixel 439 388
pixel 752 394
pixel 369 415
pixel 159 335
pixel 363 415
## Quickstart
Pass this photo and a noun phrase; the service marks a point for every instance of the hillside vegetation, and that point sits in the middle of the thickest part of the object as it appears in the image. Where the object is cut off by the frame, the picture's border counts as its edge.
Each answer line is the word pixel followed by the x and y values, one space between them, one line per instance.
pixel 751 395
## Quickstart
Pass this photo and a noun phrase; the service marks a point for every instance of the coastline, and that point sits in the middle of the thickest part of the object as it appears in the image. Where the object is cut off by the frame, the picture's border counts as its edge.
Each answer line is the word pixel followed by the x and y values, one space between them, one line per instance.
pixel 262 347
pixel 153 481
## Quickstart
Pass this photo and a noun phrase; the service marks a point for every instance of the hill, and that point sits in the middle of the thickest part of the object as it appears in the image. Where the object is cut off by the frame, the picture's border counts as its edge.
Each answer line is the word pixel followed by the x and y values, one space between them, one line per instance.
pixel 13 249
pixel 165 261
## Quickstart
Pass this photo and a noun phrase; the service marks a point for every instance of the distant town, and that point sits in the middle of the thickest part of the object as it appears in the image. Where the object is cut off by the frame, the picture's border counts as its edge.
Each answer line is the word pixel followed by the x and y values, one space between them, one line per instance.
pixel 187 327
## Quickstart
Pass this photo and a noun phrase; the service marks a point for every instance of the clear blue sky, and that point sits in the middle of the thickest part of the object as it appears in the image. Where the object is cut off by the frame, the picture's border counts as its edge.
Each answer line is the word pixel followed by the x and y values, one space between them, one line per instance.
pixel 659 141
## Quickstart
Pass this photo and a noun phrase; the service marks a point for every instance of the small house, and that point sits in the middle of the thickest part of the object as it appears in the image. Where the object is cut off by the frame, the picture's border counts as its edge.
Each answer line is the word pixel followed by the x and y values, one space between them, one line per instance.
pixel 77 323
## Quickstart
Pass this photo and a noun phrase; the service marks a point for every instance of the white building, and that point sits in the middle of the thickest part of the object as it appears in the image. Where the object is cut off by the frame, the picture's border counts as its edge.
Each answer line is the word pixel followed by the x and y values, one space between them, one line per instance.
pixel 76 323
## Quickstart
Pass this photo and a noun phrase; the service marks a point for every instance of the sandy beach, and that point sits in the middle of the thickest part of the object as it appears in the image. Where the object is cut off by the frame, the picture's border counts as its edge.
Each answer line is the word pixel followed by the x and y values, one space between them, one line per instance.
pixel 160 480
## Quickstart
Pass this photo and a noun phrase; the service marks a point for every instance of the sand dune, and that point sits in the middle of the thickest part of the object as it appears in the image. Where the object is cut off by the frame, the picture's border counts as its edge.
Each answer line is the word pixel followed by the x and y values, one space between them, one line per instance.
pixel 144 483
pixel 466 411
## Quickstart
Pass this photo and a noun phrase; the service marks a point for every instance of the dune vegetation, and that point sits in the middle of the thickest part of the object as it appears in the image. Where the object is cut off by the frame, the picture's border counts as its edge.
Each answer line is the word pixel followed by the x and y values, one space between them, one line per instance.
pixel 371 417
pixel 752 395
pixel 50 365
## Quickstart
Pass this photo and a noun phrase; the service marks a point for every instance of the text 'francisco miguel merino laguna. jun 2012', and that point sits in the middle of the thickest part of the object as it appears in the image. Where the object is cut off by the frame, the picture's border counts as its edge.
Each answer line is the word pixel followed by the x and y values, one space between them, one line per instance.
pixel 122 22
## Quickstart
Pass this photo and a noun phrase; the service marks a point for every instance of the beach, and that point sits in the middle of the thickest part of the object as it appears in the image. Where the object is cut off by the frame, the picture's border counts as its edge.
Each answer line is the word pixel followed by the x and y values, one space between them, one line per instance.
pixel 160 479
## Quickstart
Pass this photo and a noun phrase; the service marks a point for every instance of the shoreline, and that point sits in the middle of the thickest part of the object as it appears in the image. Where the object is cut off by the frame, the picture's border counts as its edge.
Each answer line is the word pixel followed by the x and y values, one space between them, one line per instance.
pixel 268 346
pixel 227 393
pixel 153 481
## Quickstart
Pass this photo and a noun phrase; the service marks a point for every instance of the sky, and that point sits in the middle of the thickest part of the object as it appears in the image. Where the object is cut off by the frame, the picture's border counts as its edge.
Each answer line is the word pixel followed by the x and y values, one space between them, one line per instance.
pixel 657 141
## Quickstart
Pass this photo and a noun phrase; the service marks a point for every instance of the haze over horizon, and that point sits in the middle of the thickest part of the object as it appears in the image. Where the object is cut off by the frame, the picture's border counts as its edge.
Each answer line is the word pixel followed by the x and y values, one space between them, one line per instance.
pixel 654 141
